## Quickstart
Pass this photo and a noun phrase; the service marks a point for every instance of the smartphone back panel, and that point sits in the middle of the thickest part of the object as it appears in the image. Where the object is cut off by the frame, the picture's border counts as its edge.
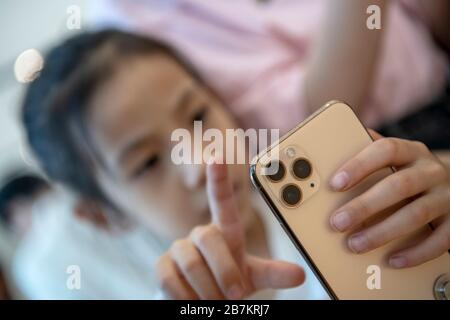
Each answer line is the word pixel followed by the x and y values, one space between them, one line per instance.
pixel 328 139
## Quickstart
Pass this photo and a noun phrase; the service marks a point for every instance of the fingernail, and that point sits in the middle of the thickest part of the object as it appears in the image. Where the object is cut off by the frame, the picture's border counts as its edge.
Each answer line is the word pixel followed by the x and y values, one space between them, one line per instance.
pixel 340 180
pixel 358 243
pixel 341 221
pixel 397 262
pixel 235 292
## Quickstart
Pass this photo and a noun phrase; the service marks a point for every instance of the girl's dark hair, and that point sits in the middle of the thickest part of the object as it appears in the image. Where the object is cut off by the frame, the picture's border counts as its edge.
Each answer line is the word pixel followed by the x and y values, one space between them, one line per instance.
pixel 54 105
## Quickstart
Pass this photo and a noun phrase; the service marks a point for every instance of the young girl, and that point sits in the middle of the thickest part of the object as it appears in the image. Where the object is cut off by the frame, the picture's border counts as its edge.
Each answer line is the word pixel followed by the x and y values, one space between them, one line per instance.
pixel 100 118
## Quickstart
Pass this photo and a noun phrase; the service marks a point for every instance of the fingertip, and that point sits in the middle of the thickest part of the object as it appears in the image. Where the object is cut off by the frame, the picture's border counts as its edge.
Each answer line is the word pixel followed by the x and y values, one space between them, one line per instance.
pixel 398 261
pixel 340 181
pixel 287 275
pixel 375 135
pixel 340 221
pixel 298 276
pixel 236 292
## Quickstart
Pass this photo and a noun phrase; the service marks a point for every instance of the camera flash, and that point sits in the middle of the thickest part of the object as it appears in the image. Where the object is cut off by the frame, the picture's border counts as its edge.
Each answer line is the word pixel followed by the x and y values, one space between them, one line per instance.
pixel 290 152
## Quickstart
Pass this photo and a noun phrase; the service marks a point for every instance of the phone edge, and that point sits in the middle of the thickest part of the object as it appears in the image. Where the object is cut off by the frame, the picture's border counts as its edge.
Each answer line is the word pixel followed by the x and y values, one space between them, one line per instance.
pixel 255 182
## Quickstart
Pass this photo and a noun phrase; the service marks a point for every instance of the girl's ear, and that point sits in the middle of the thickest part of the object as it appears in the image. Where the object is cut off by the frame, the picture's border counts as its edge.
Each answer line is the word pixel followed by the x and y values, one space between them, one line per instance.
pixel 91 211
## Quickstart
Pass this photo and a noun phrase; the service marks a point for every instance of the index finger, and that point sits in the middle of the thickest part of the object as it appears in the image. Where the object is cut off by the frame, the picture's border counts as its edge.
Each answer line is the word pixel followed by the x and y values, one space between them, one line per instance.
pixel 223 206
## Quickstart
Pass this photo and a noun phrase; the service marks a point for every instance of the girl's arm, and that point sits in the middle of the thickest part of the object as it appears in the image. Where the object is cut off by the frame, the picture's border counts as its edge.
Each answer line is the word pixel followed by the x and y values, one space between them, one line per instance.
pixel 343 63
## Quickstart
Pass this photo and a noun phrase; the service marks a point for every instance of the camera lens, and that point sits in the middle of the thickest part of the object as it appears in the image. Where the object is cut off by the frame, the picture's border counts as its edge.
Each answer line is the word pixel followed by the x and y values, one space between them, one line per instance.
pixel 291 194
pixel 302 168
pixel 279 174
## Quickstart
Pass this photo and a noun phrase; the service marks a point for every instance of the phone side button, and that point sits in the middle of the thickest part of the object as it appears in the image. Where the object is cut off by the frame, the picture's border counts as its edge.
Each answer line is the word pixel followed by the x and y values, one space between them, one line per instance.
pixel 442 287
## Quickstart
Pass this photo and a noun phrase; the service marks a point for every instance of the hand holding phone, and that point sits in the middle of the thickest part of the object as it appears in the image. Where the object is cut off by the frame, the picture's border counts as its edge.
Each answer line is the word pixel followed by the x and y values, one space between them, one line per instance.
pixel 383 215
pixel 420 177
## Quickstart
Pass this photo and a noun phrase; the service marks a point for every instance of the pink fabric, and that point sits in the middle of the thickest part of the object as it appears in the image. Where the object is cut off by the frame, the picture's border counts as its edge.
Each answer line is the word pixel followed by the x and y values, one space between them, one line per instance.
pixel 254 54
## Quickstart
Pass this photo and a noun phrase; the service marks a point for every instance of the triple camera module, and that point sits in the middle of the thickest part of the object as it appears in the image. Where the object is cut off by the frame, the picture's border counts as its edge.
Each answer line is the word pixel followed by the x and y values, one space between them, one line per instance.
pixel 291 194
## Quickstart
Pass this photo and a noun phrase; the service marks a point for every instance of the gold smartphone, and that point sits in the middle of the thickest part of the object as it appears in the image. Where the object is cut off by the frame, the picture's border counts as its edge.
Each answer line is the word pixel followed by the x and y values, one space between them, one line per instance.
pixel 299 196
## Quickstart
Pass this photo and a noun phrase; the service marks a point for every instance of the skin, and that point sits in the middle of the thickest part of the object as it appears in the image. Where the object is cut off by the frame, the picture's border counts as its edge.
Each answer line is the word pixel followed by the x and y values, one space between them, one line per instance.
pixel 420 176
pixel 212 261
pixel 349 63
pixel 215 242
pixel 210 242
pixel 131 118
pixel 346 52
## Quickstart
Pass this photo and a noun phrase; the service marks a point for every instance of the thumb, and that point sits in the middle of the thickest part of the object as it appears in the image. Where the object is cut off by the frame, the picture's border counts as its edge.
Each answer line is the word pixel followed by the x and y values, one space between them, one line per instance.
pixel 375 135
pixel 264 274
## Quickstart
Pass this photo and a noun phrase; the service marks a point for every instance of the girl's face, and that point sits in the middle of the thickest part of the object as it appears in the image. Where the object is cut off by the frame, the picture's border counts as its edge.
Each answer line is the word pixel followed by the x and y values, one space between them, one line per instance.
pixel 131 119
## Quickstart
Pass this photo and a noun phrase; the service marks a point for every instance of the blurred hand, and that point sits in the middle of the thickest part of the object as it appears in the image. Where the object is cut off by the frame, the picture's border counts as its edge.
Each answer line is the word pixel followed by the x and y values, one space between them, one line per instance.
pixel 211 263
pixel 421 176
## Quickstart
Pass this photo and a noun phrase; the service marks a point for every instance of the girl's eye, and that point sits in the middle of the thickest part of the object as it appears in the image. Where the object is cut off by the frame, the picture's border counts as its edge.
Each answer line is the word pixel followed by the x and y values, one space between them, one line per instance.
pixel 149 164
pixel 200 115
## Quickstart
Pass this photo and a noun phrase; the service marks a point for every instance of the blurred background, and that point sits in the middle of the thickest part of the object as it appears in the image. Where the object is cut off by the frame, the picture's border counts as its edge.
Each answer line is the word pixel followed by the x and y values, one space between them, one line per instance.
pixel 24 25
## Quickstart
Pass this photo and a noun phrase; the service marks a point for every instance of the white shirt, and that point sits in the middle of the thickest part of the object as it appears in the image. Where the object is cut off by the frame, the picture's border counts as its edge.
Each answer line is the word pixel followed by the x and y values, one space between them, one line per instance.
pixel 116 266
